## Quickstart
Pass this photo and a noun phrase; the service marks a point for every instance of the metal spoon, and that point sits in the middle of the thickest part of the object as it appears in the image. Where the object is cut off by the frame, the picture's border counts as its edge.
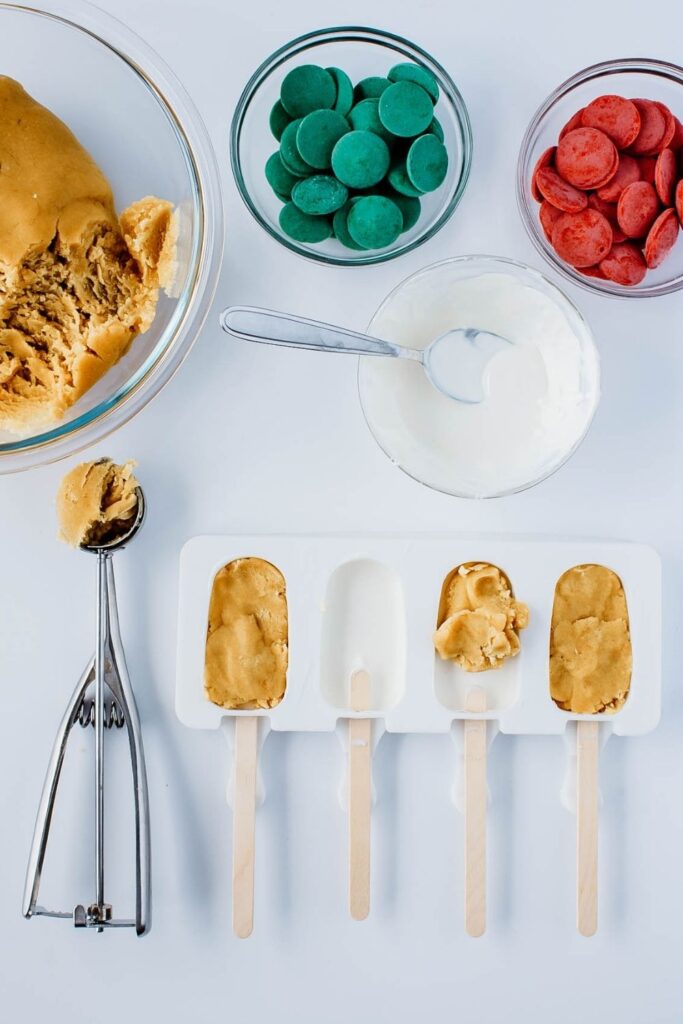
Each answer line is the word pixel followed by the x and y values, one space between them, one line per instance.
pixel 454 362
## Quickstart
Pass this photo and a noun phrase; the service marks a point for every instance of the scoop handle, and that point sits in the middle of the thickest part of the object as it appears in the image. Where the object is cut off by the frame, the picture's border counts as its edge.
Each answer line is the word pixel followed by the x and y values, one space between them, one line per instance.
pixel 270 328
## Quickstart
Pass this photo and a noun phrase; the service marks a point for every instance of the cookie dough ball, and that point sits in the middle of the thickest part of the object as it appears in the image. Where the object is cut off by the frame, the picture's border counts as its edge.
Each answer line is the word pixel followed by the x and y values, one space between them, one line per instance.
pixel 97 502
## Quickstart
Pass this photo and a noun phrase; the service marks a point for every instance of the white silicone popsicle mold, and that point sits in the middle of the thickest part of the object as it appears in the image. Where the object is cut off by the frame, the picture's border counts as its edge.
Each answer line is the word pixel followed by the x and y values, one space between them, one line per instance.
pixel 398 580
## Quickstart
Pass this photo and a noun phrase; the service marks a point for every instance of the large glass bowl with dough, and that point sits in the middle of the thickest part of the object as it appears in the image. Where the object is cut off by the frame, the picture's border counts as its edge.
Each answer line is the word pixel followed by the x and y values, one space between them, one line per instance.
pixel 123 129
pixel 533 378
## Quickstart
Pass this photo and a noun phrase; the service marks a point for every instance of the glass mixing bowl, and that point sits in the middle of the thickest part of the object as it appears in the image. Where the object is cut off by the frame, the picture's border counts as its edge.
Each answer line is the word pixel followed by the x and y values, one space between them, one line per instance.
pixel 361 52
pixel 134 117
pixel 650 79
pixel 536 412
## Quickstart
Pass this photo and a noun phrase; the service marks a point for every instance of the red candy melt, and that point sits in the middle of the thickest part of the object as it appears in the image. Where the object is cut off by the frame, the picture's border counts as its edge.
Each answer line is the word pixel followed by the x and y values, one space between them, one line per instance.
pixel 661 238
pixel 624 264
pixel 628 171
pixel 647 166
pixel 543 160
pixel 611 191
pixel 678 200
pixel 573 122
pixel 666 172
pixel 637 209
pixel 586 158
pixel 582 239
pixel 548 214
pixel 556 190
pixel 653 125
pixel 616 116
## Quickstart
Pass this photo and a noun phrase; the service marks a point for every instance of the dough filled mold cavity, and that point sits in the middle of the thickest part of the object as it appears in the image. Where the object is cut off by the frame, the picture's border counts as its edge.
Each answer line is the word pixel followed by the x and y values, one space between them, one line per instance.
pixel 77 283
pixel 479 620
pixel 590 642
pixel 247 637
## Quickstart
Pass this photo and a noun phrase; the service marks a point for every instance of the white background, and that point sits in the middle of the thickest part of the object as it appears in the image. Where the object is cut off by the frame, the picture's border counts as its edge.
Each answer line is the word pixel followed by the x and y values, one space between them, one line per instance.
pixel 248 439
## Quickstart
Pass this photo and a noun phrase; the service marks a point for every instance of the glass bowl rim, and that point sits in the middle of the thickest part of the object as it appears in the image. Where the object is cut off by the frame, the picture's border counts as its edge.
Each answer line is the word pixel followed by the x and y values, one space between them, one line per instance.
pixel 308 41
pixel 65 439
pixel 504 261
pixel 633 65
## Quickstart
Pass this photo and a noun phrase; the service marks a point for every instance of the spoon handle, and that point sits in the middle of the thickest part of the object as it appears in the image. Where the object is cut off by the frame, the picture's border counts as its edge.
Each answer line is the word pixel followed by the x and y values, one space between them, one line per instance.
pixel 270 328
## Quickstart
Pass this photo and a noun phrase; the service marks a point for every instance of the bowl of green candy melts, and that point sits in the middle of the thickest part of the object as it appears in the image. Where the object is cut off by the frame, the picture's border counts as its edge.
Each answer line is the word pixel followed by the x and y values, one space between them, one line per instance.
pixel 351 146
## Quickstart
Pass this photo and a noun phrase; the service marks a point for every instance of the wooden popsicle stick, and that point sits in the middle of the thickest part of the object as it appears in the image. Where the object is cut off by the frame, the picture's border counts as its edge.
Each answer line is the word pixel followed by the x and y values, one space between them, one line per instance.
pixel 360 798
pixel 587 757
pixel 244 824
pixel 475 815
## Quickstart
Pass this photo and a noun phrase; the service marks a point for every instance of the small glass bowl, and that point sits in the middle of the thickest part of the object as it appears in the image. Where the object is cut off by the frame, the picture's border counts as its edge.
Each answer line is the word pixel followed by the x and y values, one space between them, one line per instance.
pixel 360 52
pixel 651 79
pixel 410 431
pixel 138 123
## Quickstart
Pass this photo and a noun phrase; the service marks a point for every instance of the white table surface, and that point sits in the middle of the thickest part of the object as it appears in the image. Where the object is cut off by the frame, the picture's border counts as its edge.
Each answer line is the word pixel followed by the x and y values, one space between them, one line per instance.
pixel 253 440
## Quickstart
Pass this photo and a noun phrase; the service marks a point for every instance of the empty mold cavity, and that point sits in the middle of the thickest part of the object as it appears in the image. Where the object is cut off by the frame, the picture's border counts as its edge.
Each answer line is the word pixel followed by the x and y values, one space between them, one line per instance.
pixel 246 655
pixel 453 684
pixel 363 627
pixel 591 659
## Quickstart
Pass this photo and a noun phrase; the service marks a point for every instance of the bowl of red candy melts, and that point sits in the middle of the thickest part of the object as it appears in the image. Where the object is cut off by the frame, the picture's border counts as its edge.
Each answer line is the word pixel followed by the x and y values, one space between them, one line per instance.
pixel 600 178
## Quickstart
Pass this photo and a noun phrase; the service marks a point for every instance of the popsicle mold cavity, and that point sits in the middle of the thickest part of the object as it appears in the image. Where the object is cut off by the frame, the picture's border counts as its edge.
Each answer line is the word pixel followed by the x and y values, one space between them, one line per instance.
pixel 364 627
pixel 590 642
pixel 247 636
pixel 478 625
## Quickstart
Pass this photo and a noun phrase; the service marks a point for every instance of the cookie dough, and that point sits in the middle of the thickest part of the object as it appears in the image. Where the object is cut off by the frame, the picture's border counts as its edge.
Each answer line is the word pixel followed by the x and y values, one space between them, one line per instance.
pixel 97 502
pixel 76 283
pixel 479 619
pixel 590 642
pixel 246 644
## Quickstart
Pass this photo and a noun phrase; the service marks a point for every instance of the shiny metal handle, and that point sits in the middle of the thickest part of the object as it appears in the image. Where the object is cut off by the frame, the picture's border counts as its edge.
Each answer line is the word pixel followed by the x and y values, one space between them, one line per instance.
pixel 47 800
pixel 270 328
pixel 101 647
pixel 122 689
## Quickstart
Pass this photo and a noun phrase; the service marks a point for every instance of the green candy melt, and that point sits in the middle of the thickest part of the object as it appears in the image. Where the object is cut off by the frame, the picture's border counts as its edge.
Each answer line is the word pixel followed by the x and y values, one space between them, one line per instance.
pixel 409 206
pixel 436 129
pixel 302 227
pixel 365 117
pixel 317 136
pixel 289 153
pixel 341 229
pixel 374 222
pixel 320 194
pixel 360 159
pixel 370 87
pixel 278 177
pixel 279 119
pixel 398 179
pixel 344 100
pixel 427 163
pixel 307 88
pixel 405 109
pixel 408 72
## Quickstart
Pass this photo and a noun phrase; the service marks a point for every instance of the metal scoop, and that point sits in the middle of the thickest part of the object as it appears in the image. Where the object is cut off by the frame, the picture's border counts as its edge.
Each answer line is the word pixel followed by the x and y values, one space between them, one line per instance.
pixel 103 698
pixel 455 362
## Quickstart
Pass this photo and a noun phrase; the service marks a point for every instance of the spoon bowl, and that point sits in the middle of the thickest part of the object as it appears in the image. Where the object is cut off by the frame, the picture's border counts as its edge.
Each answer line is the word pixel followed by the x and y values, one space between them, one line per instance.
pixel 118 542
